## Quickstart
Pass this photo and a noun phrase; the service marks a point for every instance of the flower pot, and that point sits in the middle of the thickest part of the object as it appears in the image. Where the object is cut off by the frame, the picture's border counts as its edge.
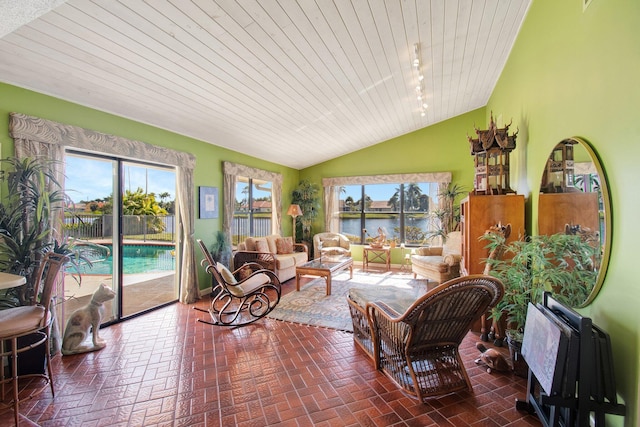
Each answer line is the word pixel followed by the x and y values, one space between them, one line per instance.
pixel 520 366
pixel 31 361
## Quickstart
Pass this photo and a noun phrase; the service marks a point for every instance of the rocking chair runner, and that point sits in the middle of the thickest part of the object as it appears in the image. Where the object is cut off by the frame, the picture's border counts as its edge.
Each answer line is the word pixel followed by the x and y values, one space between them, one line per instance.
pixel 238 300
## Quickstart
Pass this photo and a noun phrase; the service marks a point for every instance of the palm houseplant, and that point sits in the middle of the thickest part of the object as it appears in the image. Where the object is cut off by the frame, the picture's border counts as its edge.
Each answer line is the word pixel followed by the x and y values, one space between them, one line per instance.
pixel 447 216
pixel 221 248
pixel 563 264
pixel 27 211
pixel 25 221
pixel 306 195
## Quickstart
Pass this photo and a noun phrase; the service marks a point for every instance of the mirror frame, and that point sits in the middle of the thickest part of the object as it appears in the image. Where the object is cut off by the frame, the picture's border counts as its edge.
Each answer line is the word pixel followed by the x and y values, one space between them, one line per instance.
pixel 606 200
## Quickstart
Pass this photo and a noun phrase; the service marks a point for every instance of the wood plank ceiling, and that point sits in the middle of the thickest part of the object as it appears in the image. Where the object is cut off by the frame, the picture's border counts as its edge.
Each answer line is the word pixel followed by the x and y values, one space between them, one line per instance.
pixel 295 82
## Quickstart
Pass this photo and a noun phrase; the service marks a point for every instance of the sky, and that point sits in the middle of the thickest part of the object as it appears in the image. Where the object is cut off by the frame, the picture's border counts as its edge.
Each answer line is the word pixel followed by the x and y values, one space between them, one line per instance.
pixel 382 192
pixel 92 178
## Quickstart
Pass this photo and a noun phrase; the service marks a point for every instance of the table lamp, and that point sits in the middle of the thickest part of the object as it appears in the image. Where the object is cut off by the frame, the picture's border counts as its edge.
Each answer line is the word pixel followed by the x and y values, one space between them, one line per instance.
pixel 294 211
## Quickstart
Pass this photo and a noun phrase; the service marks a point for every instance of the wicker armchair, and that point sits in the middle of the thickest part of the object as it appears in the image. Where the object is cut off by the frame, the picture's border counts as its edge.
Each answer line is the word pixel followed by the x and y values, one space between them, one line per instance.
pixel 282 264
pixel 332 244
pixel 418 348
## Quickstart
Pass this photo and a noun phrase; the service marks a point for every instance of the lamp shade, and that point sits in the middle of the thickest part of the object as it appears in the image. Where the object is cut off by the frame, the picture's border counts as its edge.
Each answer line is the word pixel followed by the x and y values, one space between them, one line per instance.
pixel 294 210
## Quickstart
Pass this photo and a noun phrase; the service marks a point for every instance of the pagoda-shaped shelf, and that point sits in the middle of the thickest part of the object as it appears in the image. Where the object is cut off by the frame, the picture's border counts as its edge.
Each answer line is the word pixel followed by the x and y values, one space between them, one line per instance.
pixel 491 159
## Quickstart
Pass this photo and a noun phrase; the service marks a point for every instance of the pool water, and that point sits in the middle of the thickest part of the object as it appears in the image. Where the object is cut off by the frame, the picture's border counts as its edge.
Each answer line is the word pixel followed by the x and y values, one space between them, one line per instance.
pixel 136 259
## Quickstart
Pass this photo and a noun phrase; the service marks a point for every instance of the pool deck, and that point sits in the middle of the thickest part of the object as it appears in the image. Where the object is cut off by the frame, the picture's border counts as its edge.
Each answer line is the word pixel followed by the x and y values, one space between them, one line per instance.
pixel 91 282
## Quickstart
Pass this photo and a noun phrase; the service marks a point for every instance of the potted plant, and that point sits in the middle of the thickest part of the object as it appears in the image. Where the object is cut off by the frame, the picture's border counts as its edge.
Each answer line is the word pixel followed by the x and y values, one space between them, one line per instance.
pixel 25 221
pixel 221 248
pixel 306 196
pixel 447 216
pixel 563 264
pixel 26 234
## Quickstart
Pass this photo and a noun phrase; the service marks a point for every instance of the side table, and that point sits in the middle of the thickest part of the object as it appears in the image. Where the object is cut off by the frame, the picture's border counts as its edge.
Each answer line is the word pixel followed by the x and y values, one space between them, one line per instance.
pixel 8 280
pixel 376 254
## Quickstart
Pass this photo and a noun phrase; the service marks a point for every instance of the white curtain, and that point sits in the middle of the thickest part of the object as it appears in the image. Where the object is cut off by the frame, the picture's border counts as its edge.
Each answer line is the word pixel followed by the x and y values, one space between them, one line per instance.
pixel 185 221
pixel 34 136
pixel 331 187
pixel 233 170
pixel 229 197
pixel 331 208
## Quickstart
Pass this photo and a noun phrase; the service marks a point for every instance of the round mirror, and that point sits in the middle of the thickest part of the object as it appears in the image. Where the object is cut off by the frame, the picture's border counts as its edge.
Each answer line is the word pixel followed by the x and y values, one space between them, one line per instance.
pixel 574 200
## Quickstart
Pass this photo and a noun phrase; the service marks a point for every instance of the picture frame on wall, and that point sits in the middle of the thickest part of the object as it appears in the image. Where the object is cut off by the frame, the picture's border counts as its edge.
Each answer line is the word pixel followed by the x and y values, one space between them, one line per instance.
pixel 208 202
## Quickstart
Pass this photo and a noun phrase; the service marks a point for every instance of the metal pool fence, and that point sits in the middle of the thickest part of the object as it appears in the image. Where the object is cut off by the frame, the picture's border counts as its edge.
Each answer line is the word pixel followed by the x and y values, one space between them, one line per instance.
pixel 138 227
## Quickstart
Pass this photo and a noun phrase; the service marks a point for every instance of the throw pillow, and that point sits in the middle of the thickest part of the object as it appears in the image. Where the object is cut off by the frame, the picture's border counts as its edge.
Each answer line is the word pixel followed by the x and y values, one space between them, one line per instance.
pixel 423 251
pixel 244 272
pixel 284 245
pixel 262 246
pixel 250 244
pixel 331 243
pixel 226 274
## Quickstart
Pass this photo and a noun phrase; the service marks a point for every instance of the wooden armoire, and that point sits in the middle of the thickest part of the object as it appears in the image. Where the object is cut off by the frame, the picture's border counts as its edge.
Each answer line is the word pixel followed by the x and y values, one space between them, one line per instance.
pixel 557 210
pixel 477 214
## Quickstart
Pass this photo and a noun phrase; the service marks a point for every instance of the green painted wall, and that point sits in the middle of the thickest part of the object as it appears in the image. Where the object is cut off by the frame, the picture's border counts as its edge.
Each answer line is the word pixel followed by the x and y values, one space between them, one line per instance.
pixel 570 74
pixel 574 73
pixel 442 147
pixel 208 171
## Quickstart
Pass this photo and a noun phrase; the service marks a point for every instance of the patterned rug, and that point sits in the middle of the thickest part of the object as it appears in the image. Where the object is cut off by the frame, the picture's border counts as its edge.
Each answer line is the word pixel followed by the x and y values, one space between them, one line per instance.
pixel 311 305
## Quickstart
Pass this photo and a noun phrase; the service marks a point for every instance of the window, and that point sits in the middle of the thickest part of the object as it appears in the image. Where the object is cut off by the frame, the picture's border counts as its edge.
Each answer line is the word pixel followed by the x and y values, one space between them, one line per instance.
pixel 402 211
pixel 256 202
pixel 403 206
pixel 253 208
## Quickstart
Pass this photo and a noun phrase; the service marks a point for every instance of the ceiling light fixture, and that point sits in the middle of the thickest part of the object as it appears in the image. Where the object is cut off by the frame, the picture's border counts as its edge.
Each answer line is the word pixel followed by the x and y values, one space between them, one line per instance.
pixel 417 66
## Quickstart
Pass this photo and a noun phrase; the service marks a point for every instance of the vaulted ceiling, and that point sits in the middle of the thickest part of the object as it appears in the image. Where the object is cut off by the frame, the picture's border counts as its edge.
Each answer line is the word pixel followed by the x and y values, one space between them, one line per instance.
pixel 295 82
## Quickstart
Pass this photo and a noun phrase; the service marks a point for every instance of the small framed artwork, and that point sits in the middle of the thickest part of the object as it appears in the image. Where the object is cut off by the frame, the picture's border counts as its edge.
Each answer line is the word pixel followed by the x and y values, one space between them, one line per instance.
pixel 208 202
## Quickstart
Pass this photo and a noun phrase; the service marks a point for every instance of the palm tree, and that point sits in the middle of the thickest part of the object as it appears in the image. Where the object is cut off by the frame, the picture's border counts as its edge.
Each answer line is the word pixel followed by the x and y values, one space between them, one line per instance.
pixel 394 201
pixel 349 203
pixel 413 193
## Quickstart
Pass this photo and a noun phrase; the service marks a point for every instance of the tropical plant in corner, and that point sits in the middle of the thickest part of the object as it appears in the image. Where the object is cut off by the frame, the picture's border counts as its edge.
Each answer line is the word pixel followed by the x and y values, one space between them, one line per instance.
pixel 25 220
pixel 306 196
pixel 221 248
pixel 447 216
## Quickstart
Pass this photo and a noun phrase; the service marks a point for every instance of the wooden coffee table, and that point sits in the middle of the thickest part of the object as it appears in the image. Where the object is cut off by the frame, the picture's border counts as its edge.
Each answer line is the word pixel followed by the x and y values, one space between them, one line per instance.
pixel 324 267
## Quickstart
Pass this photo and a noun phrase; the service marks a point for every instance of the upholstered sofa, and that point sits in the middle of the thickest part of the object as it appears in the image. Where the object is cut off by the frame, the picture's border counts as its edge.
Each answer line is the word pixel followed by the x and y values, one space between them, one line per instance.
pixel 332 244
pixel 276 253
pixel 439 263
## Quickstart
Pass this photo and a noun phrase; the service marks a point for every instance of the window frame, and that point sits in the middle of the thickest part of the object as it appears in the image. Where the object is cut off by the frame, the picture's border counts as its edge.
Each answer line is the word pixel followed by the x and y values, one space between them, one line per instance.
pixel 231 171
pixel 332 187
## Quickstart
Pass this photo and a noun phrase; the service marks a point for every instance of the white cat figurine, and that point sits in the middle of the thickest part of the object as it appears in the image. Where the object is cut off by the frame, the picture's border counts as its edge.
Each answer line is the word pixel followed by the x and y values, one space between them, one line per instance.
pixel 83 319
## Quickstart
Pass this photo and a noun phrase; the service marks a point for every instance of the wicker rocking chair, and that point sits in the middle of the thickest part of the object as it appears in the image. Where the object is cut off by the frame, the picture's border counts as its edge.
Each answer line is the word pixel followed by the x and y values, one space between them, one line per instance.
pixel 240 297
pixel 418 349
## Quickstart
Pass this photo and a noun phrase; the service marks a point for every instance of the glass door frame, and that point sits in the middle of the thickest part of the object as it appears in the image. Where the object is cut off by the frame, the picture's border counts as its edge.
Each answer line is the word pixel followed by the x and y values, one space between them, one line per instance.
pixel 118 236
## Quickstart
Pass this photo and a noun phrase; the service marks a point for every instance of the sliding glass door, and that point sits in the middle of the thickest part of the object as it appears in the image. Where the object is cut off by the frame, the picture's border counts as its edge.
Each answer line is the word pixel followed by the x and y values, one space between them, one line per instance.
pixel 149 234
pixel 122 220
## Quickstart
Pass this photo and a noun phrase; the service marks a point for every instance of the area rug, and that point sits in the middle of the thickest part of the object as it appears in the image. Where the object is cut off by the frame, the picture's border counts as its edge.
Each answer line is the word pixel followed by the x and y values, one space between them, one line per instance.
pixel 311 305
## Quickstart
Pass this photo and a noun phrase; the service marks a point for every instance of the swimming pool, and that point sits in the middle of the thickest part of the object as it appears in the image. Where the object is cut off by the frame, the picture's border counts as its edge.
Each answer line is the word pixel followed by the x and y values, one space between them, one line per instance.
pixel 136 259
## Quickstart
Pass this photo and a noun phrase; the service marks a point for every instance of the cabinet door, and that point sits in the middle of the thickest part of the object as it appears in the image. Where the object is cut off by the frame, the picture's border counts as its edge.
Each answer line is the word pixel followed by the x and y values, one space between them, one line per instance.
pixel 559 209
pixel 480 213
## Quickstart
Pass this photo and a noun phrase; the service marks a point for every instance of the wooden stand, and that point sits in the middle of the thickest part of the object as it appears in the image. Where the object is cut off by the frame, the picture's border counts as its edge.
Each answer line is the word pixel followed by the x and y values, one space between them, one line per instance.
pixel 585 387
